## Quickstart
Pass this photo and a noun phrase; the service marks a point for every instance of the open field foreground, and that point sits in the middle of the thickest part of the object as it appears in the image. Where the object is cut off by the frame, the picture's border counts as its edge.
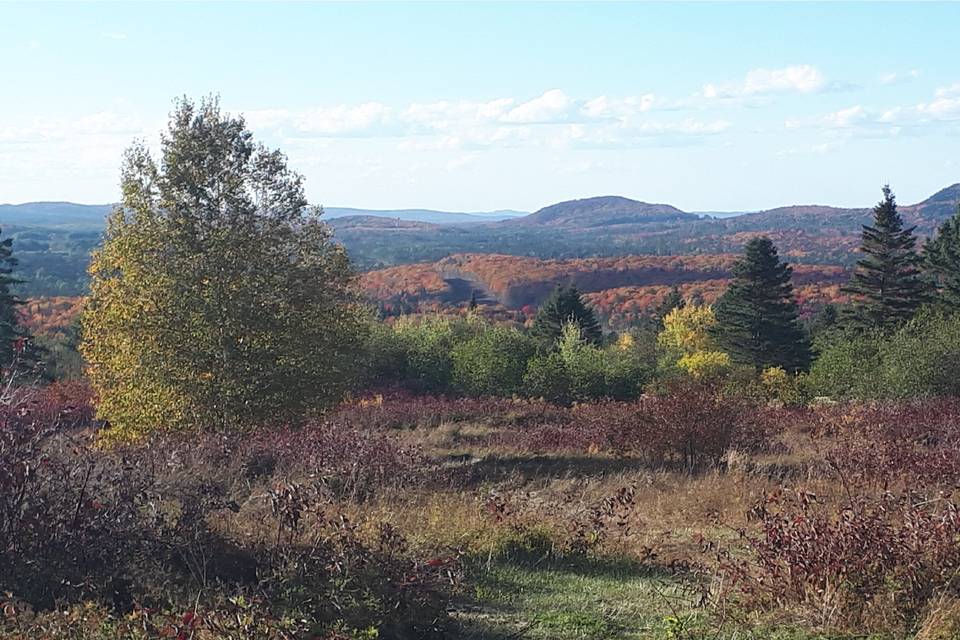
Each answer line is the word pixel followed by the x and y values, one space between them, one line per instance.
pixel 398 516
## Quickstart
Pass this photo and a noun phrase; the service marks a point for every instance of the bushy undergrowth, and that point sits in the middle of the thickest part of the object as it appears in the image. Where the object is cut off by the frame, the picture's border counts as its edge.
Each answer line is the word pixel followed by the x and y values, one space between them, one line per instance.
pixel 474 358
pixel 249 523
pixel 869 563
pixel 883 443
pixel 920 359
pixel 284 533
pixel 692 427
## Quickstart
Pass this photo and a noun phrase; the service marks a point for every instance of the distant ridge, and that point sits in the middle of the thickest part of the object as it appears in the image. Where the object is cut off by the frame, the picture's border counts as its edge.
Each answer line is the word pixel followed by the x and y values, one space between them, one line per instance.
pixel 54 214
pixel 71 213
pixel 604 211
pixel 423 215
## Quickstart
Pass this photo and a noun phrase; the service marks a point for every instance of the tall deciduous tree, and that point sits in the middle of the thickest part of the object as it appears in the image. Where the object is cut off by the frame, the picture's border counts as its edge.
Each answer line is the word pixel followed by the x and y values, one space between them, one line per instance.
pixel 757 320
pixel 565 305
pixel 887 285
pixel 942 258
pixel 218 298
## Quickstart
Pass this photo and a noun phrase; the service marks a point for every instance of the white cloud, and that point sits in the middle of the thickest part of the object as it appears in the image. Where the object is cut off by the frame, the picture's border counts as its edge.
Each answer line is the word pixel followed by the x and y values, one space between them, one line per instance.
pixel 802 78
pixel 114 35
pixel 894 77
pixel 948 91
pixel 943 108
pixel 344 120
pixel 845 118
pixel 548 120
pixel 604 107
pixel 552 106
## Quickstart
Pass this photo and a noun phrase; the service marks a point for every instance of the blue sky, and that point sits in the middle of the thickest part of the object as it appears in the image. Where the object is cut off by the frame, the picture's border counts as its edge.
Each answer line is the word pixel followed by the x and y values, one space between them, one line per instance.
pixel 708 106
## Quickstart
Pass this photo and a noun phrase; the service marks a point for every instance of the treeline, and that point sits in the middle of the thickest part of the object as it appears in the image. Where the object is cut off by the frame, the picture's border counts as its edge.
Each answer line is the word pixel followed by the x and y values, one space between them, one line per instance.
pixel 897 337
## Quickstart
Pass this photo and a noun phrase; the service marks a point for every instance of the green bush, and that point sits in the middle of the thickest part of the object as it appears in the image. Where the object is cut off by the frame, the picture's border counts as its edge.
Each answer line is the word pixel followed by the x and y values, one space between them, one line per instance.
pixel 427 345
pixel 492 363
pixel 385 355
pixel 920 359
pixel 618 371
pixel 546 377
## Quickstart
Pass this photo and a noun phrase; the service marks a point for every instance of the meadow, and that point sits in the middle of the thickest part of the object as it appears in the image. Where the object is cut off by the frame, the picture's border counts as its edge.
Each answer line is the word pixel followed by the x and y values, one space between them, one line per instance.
pixel 395 515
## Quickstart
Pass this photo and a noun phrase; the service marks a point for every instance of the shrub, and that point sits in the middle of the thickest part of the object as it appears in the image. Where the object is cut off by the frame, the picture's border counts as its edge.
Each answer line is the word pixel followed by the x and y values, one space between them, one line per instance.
pixel 921 359
pixel 592 372
pixel 918 442
pixel 216 515
pixel 427 345
pixel 691 427
pixel 871 564
pixel 702 365
pixel 492 362
pixel 546 377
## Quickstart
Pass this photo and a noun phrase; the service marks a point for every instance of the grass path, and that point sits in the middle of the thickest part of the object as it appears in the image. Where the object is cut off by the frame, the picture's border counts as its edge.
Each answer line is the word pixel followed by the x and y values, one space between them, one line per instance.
pixel 591 601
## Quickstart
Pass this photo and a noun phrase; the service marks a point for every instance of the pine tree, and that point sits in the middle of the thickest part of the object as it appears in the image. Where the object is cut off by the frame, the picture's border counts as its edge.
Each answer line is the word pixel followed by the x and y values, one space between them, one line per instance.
pixel 757 320
pixel 887 285
pixel 563 306
pixel 674 300
pixel 942 259
pixel 13 337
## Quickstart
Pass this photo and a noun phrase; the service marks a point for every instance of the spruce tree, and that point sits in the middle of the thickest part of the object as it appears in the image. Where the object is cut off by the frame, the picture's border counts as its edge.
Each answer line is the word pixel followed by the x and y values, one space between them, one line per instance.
pixel 565 305
pixel 757 320
pixel 942 259
pixel 887 285
pixel 674 300
pixel 13 337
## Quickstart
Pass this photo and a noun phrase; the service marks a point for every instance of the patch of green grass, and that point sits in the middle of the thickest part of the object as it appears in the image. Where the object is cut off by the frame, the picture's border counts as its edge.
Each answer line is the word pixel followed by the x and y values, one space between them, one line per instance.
pixel 593 600
pixel 577 600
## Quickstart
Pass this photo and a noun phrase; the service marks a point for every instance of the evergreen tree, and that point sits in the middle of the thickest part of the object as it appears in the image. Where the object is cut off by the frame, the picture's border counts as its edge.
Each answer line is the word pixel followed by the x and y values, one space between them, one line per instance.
pixel 942 259
pixel 218 299
pixel 565 305
pixel 757 320
pixel 14 339
pixel 887 285
pixel 674 300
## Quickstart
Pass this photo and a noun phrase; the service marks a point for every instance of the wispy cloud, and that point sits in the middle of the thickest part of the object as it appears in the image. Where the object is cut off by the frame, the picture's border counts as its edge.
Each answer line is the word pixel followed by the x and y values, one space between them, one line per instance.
pixel 552 118
pixel 938 115
pixel 802 78
pixel 895 77
pixel 114 35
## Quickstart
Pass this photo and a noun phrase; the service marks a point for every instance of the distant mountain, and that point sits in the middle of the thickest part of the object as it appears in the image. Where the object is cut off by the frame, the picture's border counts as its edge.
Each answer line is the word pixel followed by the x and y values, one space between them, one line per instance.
pixel 69 213
pixel 54 214
pixel 950 195
pixel 925 215
pixel 377 222
pixel 424 215
pixel 604 211
pixel 53 240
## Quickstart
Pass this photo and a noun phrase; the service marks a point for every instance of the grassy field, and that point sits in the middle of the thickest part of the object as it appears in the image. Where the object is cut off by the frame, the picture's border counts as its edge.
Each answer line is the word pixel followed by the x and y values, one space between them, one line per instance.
pixel 416 517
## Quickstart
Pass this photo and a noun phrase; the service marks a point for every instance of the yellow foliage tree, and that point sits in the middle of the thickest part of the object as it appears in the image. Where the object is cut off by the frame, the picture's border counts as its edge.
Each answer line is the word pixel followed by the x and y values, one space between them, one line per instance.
pixel 218 299
pixel 704 364
pixel 687 343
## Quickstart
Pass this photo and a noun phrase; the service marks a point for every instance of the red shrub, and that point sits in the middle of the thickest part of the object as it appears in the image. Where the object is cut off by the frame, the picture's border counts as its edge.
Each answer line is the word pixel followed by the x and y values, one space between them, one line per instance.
pixel 873 561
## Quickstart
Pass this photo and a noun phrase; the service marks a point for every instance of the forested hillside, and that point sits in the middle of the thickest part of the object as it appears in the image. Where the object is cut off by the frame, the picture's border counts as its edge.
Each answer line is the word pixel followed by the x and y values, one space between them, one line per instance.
pixel 54 239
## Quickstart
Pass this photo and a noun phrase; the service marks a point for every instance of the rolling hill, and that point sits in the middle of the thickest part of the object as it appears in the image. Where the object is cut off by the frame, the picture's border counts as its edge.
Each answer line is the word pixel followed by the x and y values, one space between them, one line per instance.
pixel 604 211
pixel 53 239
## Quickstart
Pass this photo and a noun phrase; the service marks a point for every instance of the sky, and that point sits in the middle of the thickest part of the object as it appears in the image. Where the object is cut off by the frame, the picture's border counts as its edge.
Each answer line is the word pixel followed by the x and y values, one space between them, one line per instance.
pixel 485 106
